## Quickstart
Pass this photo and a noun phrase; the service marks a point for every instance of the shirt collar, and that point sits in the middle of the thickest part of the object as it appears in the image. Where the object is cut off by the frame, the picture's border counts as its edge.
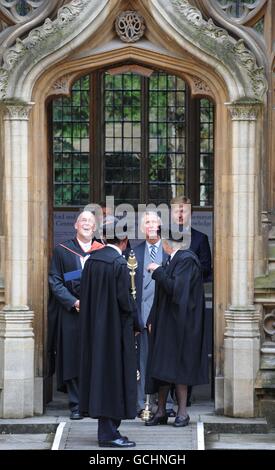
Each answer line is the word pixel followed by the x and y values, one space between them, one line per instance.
pixel 173 254
pixel 157 244
pixel 85 246
pixel 115 248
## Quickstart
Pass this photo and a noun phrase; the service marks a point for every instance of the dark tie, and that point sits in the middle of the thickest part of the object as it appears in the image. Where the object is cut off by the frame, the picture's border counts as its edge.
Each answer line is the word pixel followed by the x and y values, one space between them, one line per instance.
pixel 153 252
pixel 168 260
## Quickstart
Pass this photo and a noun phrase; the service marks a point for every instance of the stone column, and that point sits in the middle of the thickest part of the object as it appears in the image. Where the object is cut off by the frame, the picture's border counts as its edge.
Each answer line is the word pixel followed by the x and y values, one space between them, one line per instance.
pixel 241 344
pixel 16 331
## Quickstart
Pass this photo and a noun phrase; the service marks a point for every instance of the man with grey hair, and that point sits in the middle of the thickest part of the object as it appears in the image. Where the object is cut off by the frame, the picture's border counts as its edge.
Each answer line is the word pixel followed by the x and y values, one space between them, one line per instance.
pixel 146 252
pixel 63 310
pixel 177 344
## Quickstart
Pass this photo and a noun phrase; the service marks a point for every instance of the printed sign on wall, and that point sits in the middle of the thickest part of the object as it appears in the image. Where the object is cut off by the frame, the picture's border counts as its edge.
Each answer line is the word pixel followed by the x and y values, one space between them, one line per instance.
pixel 63 226
pixel 203 221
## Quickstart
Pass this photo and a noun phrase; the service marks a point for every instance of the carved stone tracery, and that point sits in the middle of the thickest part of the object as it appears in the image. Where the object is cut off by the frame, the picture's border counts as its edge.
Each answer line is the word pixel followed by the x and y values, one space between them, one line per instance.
pixel 18 11
pixel 269 323
pixel 65 15
pixel 238 9
pixel 188 17
pixel 130 26
pixel 62 85
pixel 236 48
pixel 199 87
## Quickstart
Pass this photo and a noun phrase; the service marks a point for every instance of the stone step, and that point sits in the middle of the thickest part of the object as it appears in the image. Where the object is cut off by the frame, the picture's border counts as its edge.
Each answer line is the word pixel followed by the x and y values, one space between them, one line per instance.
pixel 223 424
pixel 221 441
pixel 83 436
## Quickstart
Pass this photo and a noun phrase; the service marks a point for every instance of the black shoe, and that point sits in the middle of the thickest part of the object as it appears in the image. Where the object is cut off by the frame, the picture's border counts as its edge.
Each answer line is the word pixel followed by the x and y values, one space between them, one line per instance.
pixel 181 421
pixel 155 420
pixel 170 413
pixel 75 414
pixel 120 442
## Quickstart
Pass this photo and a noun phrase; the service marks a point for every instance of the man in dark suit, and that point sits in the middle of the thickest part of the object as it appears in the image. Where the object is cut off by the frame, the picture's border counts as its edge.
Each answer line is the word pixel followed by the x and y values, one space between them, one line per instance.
pixel 181 216
pixel 63 310
pixel 148 251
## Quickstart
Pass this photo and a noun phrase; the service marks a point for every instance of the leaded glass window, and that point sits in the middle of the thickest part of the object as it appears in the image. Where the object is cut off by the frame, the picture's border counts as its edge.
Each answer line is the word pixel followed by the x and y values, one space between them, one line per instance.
pixel 70 145
pixel 206 152
pixel 167 133
pixel 141 139
pixel 122 123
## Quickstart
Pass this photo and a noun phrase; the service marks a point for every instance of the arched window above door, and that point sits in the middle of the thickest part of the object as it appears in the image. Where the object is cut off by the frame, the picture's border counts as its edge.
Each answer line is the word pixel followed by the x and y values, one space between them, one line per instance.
pixel 140 138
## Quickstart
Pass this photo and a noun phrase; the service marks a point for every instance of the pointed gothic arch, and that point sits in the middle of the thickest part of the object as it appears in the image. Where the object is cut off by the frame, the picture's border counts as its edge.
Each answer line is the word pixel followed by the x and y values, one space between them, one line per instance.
pixel 46 62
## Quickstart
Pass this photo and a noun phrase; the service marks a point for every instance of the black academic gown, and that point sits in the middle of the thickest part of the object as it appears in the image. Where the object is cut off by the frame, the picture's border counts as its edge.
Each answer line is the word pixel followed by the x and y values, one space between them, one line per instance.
pixel 63 319
pixel 177 343
pixel 107 380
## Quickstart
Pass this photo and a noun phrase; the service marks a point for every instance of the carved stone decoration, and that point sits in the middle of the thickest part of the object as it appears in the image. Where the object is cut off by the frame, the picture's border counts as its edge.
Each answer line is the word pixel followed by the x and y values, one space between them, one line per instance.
pixel 65 15
pixel 186 19
pixel 249 62
pixel 199 86
pixel 192 14
pixel 244 111
pixel 17 17
pixel 18 11
pixel 4 78
pixel 130 26
pixel 61 86
pixel 12 55
pixel 17 112
pixel 239 9
pixel 269 323
pixel 237 49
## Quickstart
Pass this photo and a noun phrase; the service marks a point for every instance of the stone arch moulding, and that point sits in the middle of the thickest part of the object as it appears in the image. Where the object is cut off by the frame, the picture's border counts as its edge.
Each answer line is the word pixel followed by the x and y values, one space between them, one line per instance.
pixel 50 45
pixel 77 20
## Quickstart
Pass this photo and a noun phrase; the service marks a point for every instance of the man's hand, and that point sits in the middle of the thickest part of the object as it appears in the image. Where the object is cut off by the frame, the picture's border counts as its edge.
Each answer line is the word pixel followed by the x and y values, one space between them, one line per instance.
pixel 152 266
pixel 77 305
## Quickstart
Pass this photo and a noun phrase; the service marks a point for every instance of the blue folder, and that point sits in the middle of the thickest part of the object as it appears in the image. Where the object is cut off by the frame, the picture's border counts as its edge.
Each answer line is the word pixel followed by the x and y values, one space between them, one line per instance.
pixel 72 275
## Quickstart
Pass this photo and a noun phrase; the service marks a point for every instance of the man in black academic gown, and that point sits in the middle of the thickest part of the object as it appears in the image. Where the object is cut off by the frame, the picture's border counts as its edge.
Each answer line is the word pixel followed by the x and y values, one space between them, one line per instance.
pixel 181 216
pixel 177 344
pixel 107 380
pixel 63 309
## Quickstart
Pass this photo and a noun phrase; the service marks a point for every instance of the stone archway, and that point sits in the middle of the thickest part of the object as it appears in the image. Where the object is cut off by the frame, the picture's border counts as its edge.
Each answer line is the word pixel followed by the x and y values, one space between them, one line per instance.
pixel 33 71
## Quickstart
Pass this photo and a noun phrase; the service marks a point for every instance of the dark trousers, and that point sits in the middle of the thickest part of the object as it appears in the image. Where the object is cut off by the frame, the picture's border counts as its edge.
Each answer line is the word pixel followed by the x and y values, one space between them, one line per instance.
pixel 73 396
pixel 108 429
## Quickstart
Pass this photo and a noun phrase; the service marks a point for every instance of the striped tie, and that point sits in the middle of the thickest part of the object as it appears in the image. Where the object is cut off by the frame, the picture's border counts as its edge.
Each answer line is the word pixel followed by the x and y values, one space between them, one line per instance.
pixel 153 252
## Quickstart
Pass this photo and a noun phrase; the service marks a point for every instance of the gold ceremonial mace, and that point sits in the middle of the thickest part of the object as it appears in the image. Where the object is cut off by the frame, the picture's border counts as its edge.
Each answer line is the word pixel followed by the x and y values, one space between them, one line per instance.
pixel 132 265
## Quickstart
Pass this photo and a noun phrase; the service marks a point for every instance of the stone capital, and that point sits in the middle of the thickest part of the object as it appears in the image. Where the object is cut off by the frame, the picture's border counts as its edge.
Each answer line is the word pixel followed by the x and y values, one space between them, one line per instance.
pixel 16 111
pixel 244 111
pixel 242 322
pixel 15 323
